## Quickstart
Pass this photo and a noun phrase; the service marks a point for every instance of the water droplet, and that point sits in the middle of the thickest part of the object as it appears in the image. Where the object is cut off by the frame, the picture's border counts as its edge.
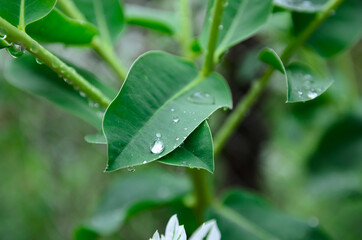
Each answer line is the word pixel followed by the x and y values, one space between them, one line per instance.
pixel 158 135
pixel 144 162
pixel 2 36
pixel 172 109
pixel 185 128
pixel 131 169
pixel 300 93
pixel 202 98
pixel 175 119
pixel 157 147
pixel 82 94
pixel 184 164
pixel 55 64
pixel 177 138
pixel 221 27
pixel 312 94
pixel 38 61
pixel 16 50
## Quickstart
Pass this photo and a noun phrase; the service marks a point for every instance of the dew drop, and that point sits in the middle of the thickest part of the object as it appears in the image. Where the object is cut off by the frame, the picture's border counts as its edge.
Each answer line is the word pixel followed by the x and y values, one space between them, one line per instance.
pixel 2 36
pixel 221 27
pixel 177 138
pixel 131 169
pixel 176 119
pixel 82 94
pixel 185 128
pixel 312 94
pixel 172 109
pixel 158 135
pixel 144 162
pixel 157 147
pixel 37 60
pixel 16 50
pixel 202 98
pixel 300 93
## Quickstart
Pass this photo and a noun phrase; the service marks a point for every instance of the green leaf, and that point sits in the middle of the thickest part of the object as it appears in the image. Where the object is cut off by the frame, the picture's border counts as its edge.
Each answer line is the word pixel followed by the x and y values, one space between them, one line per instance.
pixel 340 31
pixel 269 56
pixel 32 10
pixel 4 43
pixel 161 102
pixel 159 20
pixel 56 27
pixel 27 75
pixel 241 19
pixel 247 216
pixel 304 84
pixel 107 16
pixel 302 5
pixel 131 193
pixel 196 152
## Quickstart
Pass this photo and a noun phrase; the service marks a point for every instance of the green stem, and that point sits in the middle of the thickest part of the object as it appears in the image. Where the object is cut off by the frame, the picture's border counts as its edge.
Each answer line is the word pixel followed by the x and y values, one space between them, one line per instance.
pixel 209 63
pixel 102 48
pixel 243 223
pixel 20 37
pixel 243 107
pixel 202 192
pixel 21 16
pixel 185 36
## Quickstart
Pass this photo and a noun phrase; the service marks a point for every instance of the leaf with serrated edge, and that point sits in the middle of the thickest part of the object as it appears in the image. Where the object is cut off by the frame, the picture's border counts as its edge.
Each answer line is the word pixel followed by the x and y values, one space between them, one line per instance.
pixel 159 88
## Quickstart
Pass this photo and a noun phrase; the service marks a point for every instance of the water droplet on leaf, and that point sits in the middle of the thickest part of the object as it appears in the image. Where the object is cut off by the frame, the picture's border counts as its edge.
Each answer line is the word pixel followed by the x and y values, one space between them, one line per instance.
pixel 158 135
pixel 202 98
pixel 16 50
pixel 38 61
pixel 157 147
pixel 131 169
pixel 175 119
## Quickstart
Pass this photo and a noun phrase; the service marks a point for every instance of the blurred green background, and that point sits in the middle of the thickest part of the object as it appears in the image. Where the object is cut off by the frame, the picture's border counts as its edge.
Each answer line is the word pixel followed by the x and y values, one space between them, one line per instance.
pixel 305 158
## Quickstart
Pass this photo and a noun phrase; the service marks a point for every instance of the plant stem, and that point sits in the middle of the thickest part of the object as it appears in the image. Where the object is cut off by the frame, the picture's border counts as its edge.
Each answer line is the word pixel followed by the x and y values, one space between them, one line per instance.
pixel 102 48
pixel 17 36
pixel 21 25
pixel 243 107
pixel 185 35
pixel 217 12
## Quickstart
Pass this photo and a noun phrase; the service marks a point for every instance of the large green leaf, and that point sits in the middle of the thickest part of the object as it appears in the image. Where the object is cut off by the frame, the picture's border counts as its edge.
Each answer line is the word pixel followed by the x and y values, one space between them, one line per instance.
pixel 32 10
pixel 26 74
pixel 56 27
pixel 241 19
pixel 302 5
pixel 196 151
pixel 107 16
pixel 161 103
pixel 131 193
pixel 247 216
pixel 340 31
pixel 303 83
pixel 159 20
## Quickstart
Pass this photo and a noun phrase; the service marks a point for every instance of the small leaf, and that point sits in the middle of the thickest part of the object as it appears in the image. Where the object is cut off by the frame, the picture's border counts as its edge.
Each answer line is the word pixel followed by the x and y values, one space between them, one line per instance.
pixel 56 27
pixel 241 19
pixel 162 99
pixel 33 10
pixel 247 216
pixel 107 16
pixel 29 76
pixel 269 56
pixel 4 44
pixel 302 5
pixel 159 20
pixel 132 193
pixel 304 84
pixel 338 32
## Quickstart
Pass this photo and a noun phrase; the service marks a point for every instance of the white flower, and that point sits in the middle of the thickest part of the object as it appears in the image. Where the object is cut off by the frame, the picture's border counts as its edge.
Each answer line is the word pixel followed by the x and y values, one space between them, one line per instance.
pixel 176 232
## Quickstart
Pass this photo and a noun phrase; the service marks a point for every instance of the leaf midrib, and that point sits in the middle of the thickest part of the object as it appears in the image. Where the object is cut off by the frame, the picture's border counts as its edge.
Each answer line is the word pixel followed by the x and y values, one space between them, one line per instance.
pixel 101 22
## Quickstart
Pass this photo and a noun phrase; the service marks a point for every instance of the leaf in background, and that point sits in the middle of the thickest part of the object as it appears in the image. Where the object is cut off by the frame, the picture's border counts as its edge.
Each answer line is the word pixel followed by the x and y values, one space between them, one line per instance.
pixel 107 16
pixel 29 76
pixel 33 10
pixel 56 27
pixel 303 84
pixel 132 193
pixel 161 103
pixel 340 31
pixel 302 5
pixel 159 20
pixel 247 216
pixel 241 19
pixel 269 56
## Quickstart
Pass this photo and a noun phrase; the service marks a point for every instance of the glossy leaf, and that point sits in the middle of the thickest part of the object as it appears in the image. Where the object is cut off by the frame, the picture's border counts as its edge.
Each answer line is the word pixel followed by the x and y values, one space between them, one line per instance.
pixel 304 84
pixel 107 16
pixel 339 32
pixel 269 56
pixel 195 152
pixel 159 20
pixel 247 216
pixel 161 102
pixel 302 5
pixel 27 75
pixel 33 10
pixel 241 19
pixel 56 27
pixel 132 193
